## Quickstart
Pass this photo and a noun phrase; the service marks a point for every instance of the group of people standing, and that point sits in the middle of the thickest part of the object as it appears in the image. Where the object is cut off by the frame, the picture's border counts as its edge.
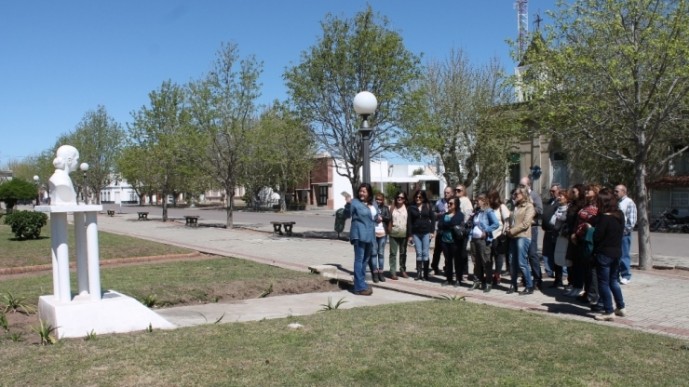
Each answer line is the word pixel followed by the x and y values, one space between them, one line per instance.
pixel 587 238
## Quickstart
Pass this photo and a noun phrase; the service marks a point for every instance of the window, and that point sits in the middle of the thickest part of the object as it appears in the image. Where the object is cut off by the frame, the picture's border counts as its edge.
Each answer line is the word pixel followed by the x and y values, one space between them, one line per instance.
pixel 322 195
pixel 560 170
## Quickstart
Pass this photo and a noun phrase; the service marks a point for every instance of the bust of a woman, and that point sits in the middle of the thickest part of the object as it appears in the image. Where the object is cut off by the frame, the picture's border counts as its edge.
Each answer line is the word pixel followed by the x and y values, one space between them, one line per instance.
pixel 60 184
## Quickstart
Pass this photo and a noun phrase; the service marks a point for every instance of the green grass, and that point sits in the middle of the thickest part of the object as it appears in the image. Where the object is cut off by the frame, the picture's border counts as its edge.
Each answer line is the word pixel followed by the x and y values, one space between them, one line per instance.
pixel 14 253
pixel 425 343
pixel 172 283
pixel 435 343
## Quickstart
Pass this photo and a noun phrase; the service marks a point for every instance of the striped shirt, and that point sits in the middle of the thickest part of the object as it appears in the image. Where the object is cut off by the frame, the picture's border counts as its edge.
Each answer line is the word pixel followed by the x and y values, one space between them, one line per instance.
pixel 628 208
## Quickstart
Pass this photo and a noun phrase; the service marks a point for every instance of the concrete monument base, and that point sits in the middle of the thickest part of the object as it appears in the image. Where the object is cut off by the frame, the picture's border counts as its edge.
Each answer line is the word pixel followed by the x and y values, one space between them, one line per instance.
pixel 113 313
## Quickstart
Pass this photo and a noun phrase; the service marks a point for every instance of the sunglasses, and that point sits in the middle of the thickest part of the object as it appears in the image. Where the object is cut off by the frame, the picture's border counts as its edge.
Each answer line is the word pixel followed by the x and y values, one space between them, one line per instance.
pixel 458 189
pixel 450 204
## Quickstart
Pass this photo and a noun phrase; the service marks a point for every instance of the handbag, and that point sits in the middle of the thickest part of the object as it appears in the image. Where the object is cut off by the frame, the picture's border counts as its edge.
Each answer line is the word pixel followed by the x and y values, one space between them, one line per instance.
pixel 459 231
pixel 560 255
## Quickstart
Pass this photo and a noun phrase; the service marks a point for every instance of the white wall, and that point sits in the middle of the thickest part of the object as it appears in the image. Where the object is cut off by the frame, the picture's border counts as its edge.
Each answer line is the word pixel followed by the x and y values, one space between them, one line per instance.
pixel 340 183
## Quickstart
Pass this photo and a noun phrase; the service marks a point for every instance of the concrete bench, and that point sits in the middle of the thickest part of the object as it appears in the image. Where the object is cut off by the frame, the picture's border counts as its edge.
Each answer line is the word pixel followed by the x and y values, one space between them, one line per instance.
pixel 111 212
pixel 143 215
pixel 191 220
pixel 277 227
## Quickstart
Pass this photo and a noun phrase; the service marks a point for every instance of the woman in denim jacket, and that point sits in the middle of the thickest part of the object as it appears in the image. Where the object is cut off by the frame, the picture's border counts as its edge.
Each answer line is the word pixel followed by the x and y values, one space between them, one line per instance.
pixel 485 222
pixel 364 213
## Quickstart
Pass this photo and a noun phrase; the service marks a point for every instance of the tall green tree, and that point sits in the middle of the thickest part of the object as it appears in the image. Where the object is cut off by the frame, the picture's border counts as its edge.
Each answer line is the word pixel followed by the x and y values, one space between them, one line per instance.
pixel 163 135
pixel 99 139
pixel 223 108
pixel 280 152
pixel 454 114
pixel 131 166
pixel 613 83
pixel 352 55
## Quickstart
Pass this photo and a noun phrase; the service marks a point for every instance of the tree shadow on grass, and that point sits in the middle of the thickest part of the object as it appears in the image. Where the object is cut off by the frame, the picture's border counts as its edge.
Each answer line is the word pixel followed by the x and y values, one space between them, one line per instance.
pixel 15 239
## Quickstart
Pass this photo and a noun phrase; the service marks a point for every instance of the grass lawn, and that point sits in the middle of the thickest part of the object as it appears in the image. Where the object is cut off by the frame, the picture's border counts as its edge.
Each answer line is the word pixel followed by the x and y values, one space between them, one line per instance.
pixel 439 343
pixel 425 343
pixel 185 282
pixel 14 253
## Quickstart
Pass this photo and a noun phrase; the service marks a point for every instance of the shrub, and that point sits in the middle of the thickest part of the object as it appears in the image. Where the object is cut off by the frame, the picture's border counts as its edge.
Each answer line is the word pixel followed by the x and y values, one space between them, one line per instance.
pixel 26 224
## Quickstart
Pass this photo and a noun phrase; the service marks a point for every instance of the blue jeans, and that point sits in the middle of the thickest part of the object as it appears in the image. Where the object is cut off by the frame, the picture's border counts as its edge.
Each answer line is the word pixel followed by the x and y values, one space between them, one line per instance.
pixel 362 251
pixel 626 260
pixel 422 245
pixel 519 260
pixel 534 259
pixel 378 253
pixel 608 271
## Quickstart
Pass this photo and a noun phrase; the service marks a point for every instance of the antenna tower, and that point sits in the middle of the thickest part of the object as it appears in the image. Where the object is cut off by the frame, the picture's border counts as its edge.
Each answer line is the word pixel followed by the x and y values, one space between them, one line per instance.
pixel 522 25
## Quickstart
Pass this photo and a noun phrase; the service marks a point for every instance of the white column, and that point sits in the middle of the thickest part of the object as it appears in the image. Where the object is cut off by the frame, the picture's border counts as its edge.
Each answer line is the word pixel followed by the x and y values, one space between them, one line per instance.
pixel 60 255
pixel 82 263
pixel 93 255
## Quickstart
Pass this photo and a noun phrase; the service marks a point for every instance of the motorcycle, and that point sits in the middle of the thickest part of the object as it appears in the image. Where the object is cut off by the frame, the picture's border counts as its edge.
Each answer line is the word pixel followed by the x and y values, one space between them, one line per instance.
pixel 672 221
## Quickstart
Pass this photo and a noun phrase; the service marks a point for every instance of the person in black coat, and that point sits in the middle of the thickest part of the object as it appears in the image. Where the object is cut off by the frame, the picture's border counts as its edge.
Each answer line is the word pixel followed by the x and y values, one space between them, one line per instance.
pixel 421 223
pixel 607 251
pixel 450 243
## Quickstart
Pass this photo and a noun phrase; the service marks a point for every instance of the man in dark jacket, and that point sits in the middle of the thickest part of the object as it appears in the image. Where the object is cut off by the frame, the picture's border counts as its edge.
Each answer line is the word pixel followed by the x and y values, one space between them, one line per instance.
pixel 440 209
pixel 550 233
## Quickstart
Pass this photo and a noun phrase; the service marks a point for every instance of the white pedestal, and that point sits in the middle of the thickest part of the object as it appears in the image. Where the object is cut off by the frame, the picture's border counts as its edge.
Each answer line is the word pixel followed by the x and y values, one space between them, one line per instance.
pixel 88 259
pixel 89 311
pixel 114 313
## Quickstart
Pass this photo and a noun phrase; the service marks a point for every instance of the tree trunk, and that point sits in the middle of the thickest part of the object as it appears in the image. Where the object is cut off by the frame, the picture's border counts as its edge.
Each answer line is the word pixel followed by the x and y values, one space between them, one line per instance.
pixel 645 254
pixel 164 206
pixel 229 221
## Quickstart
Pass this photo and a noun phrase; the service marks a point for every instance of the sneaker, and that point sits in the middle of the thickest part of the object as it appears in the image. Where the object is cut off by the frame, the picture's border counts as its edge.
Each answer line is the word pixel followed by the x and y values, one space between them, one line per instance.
pixel 624 281
pixel 605 316
pixel 620 312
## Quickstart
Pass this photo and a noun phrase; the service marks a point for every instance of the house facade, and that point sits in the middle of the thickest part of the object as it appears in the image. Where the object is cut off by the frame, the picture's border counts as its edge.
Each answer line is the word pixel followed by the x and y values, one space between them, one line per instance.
pixel 325 186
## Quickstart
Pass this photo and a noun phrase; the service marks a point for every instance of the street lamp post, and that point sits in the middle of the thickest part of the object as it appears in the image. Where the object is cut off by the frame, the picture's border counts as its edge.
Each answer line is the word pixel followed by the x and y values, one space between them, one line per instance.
pixel 365 104
pixel 37 181
pixel 84 167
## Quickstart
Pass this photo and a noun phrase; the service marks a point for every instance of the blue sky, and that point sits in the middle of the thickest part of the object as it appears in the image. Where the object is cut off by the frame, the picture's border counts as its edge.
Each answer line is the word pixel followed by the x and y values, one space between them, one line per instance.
pixel 60 59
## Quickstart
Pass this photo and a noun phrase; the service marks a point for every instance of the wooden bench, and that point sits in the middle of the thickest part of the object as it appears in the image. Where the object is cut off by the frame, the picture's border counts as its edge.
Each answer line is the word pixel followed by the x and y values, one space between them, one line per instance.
pixel 111 212
pixel 277 227
pixel 143 215
pixel 191 220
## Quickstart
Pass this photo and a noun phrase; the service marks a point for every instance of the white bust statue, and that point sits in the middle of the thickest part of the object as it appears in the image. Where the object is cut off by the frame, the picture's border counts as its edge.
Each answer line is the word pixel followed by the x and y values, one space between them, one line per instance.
pixel 60 184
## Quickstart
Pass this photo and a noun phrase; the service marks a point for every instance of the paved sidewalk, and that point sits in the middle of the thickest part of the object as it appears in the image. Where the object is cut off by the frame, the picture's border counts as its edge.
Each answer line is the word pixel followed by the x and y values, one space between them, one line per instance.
pixel 656 301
